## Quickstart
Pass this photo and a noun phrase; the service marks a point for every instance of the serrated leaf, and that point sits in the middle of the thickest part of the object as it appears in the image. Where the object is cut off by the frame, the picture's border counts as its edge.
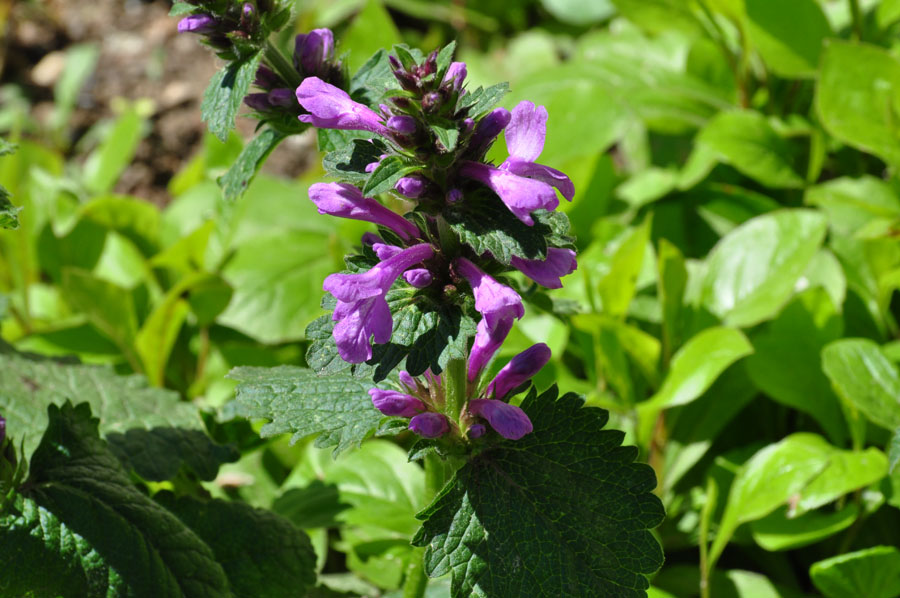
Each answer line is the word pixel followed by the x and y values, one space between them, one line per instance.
pixel 484 223
pixel 337 407
pixel 564 511
pixel 225 92
pixel 181 8
pixel 29 384
pixel 9 214
pixel 263 554
pixel 402 53
pixel 390 170
pixel 444 58
pixel 446 132
pixel 159 454
pixel 348 162
pixel 373 79
pixel 238 178
pixel 482 100
pixel 74 476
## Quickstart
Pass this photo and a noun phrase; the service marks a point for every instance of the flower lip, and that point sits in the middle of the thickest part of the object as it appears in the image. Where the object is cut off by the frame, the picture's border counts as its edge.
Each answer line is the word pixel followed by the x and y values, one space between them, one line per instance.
pixel 395 403
pixel 330 107
pixel 548 272
pixel 346 201
pixel 507 420
pixel 519 370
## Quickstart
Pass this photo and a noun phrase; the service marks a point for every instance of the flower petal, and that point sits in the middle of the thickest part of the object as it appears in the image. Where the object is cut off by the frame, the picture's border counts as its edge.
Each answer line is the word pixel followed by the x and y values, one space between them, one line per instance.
pixel 526 131
pixel 508 420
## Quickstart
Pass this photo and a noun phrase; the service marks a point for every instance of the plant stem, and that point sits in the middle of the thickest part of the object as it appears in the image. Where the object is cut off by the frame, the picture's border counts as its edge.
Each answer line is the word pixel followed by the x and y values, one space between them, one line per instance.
pixel 282 66
pixel 455 388
pixel 706 513
pixel 857 19
pixel 416 581
pixel 437 472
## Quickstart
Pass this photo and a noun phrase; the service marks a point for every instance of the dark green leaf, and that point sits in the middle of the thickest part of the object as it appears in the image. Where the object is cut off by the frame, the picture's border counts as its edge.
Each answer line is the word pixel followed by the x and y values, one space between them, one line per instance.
pixel 28 385
pixel 446 132
pixel 337 407
pixel 348 162
pixel 263 554
pixel 390 170
pixel 225 93
pixel 562 512
pixel 373 79
pixel 235 181
pixel 159 454
pixel 75 477
pixel 482 100
pixel 484 223
pixel 401 51
pixel 873 573
pixel 444 58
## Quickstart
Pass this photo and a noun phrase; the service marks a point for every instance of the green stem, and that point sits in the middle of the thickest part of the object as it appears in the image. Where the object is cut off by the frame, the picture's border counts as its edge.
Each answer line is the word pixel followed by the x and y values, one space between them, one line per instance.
pixel 416 580
pixel 857 19
pixel 282 66
pixel 449 241
pixel 455 388
pixel 706 566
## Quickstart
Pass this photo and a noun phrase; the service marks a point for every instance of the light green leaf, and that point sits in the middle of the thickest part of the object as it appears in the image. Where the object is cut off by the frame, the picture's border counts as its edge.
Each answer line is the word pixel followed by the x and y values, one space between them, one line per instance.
pixel 9 214
pixel 777 531
pixel 580 12
pixel 872 572
pixel 105 164
pixel 894 450
pixel 658 16
pixel 617 288
pixel 371 30
pixel 336 407
pixel 746 141
pixel 697 365
pixel 865 378
pixel 788 35
pixel 541 516
pixel 225 94
pixel 887 13
pixel 671 285
pixel 156 338
pixel 751 273
pixel 263 554
pixel 854 204
pixel 857 97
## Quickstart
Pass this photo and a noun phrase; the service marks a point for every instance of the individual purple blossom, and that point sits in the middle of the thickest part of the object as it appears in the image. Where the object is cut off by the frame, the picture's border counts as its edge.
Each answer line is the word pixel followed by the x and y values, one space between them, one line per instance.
pixel 200 23
pixel 520 369
pixel 385 251
pixel 258 101
pixel 266 78
pixel 396 403
pixel 508 420
pixel 407 380
pixel 454 195
pixel 283 97
pixel 370 239
pixel 371 166
pixel 456 75
pixel 331 108
pixel 476 431
pixel 489 127
pixel 522 184
pixel 312 50
pixel 499 305
pixel 346 201
pixel 402 125
pixel 429 425
pixel 548 272
pixel 411 186
pixel 2 430
pixel 362 311
pixel 418 277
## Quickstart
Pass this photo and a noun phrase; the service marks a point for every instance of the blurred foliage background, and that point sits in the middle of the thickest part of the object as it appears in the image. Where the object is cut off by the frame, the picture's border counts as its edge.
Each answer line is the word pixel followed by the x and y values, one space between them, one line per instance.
pixel 735 307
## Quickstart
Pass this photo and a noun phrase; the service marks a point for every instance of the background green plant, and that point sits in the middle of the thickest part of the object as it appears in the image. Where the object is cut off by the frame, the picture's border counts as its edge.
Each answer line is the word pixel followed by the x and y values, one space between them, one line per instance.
pixel 735 307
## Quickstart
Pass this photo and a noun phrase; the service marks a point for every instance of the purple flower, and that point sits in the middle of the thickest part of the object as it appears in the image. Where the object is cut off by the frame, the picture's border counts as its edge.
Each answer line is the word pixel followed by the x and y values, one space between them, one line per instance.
pixel 396 403
pixel 266 78
pixel 508 420
pixel 522 184
pixel 499 305
pixel 456 75
pixel 489 127
pixel 2 430
pixel 371 166
pixel 331 108
pixel 346 201
pixel 362 311
pixel 548 272
pixel 407 380
pixel 418 277
pixel 385 251
pixel 402 125
pixel 429 425
pixel 476 431
pixel 520 369
pixel 283 97
pixel 371 239
pixel 258 101
pixel 411 186
pixel 312 50
pixel 454 195
pixel 200 23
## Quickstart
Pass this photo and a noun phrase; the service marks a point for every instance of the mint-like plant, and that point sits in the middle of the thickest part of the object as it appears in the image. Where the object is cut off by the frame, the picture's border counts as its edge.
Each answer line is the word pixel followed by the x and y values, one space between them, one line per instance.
pixel 531 498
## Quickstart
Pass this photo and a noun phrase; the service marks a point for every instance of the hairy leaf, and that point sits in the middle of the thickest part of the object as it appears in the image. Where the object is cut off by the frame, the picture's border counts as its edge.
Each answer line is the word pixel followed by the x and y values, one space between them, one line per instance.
pixel 237 179
pixel 158 454
pixel 225 93
pixel 296 400
pixel 349 159
pixel 562 512
pixel 386 174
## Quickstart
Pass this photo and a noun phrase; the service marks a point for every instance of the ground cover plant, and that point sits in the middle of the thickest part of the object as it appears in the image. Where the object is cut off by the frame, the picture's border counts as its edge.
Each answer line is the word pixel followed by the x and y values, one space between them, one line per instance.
pixel 521 339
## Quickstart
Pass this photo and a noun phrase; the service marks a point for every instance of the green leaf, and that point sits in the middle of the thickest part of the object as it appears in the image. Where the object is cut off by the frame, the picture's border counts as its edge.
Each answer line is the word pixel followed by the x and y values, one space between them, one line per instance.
pixel 225 93
pixel 74 476
pixel 562 512
pixel 105 165
pixel 853 205
pixel 315 505
pixel 484 223
pixel 390 170
pixel 697 365
pixel 348 161
pixel 372 79
pixel 752 271
pixel 159 454
pixel 778 531
pixel 482 100
pixel 894 451
pixel 888 13
pixel 746 141
pixel 337 407
pixel 786 363
pixel 447 134
pixel 263 554
pixel 617 288
pixel 858 95
pixel 657 16
pixel 671 284
pixel 865 378
pixel 241 173
pixel 156 338
pixel 789 35
pixel 371 30
pixel 444 58
pixel 28 385
pixel 872 572
pixel 9 214
pixel 580 12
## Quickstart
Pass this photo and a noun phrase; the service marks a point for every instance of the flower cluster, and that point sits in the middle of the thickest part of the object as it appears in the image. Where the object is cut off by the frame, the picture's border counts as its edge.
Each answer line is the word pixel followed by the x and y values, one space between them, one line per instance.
pixel 233 29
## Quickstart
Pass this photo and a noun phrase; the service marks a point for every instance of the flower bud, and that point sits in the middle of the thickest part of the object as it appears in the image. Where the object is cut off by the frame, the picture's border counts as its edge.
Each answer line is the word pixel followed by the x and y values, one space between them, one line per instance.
pixel 200 24
pixel 418 277
pixel 385 251
pixel 312 50
pixel 411 186
pixel 283 97
pixel 454 195
pixel 487 129
pixel 455 75
pixel 519 370
pixel 402 125
pixel 2 430
pixel 429 425
pixel 508 420
pixel 407 380
pixel 395 403
pixel 431 101
pixel 258 101
pixel 476 431
pixel 371 239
